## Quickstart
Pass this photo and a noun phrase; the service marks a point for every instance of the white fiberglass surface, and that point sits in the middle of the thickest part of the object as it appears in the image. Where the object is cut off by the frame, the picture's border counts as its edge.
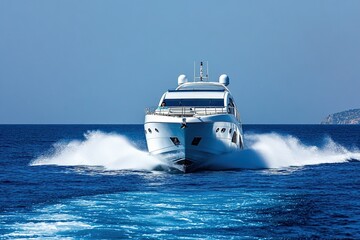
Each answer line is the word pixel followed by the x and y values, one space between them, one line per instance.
pixel 190 95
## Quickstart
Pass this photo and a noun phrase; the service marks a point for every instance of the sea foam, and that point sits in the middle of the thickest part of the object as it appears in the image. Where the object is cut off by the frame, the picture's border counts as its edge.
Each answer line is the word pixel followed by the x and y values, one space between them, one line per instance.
pixel 112 151
pixel 273 150
pixel 115 152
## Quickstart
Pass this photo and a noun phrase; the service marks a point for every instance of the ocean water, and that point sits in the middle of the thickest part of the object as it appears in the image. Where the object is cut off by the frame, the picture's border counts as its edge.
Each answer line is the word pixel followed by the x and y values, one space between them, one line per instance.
pixel 98 182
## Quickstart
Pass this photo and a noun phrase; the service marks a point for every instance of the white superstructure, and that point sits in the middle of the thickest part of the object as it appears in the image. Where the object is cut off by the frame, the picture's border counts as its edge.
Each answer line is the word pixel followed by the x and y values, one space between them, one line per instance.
pixel 194 124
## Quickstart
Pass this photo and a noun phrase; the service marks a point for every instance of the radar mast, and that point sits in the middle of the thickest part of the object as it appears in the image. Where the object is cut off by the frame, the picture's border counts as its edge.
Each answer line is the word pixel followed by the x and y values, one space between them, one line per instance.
pixel 201 76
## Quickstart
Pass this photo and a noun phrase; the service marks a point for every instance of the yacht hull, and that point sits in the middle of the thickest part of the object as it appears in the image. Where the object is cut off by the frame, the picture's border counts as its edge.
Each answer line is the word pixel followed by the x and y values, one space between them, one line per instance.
pixel 192 143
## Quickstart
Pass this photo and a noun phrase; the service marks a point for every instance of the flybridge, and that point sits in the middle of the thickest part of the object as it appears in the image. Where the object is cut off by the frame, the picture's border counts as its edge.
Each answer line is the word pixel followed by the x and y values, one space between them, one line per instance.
pixel 199 97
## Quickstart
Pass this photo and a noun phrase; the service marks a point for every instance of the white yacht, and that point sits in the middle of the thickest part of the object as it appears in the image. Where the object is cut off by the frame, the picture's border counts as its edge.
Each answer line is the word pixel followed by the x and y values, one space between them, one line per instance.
pixel 194 124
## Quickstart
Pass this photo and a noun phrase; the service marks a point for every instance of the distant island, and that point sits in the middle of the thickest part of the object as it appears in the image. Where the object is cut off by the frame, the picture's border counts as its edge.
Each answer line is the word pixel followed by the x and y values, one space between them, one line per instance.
pixel 346 117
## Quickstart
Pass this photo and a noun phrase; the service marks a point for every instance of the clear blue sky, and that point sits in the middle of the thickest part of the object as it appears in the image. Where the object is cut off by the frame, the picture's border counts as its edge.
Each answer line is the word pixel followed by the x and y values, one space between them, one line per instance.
pixel 105 61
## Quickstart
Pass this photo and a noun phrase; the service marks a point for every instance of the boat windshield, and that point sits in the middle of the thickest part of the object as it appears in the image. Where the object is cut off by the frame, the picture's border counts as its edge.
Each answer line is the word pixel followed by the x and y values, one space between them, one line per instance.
pixel 194 102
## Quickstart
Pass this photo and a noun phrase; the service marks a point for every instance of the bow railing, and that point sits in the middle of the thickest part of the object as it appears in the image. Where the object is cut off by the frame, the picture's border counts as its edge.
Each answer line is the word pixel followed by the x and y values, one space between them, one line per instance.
pixel 182 111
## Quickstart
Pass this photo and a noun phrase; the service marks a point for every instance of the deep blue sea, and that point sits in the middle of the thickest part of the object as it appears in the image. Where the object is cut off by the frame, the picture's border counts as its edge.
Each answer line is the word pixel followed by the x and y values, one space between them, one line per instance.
pixel 98 182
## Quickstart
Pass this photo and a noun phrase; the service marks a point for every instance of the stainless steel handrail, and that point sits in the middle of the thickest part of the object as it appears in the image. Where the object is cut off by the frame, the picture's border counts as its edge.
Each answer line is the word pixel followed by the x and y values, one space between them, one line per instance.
pixel 191 111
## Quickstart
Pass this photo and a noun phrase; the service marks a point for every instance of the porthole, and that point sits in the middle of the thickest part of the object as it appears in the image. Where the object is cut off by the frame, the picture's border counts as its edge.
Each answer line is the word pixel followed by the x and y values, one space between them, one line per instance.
pixel 217 129
pixel 149 130
pixel 156 130
pixel 223 130
pixel 230 130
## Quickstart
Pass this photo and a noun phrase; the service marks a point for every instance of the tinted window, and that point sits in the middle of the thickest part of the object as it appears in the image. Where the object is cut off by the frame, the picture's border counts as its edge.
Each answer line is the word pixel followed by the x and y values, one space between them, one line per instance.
pixel 194 102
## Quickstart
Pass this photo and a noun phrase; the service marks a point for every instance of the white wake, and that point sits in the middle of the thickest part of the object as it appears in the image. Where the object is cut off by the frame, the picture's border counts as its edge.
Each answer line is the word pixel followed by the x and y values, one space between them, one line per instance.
pixel 115 152
pixel 109 150
pixel 277 151
pixel 283 151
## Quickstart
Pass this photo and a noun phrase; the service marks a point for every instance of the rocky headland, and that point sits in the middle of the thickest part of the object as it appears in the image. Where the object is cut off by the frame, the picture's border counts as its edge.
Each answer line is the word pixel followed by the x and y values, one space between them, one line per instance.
pixel 346 117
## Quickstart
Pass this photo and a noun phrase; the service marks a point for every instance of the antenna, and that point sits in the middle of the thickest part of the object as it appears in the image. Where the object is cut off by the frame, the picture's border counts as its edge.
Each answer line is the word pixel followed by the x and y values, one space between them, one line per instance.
pixel 201 76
